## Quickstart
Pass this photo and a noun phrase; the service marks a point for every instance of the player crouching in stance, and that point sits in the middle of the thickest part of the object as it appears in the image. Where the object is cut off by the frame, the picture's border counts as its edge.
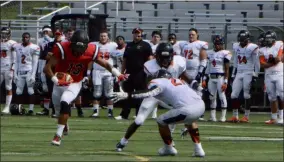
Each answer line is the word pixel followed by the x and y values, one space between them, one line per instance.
pixel 71 59
pixel 270 59
pixel 178 94
pixel 218 73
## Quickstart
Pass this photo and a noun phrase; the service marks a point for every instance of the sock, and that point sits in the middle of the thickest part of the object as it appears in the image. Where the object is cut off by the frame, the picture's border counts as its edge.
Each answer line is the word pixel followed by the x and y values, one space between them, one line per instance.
pixel 8 100
pixel 60 129
pixel 46 102
pixel 31 107
pixel 194 133
pixel 154 113
pixel 274 116
pixel 197 145
pixel 213 104
pixel 110 107
pixel 66 126
pixel 247 113
pixel 224 111
pixel 236 113
pixel 124 141
pixel 166 134
pixel 96 107
pixel 280 114
pixel 172 128
pixel 78 107
pixel 213 113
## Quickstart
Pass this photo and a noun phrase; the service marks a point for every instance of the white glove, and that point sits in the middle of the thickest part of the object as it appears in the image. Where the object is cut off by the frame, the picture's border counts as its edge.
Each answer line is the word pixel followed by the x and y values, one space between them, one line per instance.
pixel 85 82
pixel 117 96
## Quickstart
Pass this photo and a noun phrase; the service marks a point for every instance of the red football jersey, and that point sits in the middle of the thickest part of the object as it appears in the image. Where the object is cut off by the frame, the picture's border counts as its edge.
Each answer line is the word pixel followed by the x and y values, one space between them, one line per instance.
pixel 75 66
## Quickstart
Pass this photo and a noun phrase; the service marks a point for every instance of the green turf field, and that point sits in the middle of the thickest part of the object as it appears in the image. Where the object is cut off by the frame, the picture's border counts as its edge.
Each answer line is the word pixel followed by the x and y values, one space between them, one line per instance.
pixel 28 139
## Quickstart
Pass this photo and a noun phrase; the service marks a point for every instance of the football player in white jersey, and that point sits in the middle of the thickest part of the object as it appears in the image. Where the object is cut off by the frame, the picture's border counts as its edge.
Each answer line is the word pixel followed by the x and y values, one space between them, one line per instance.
pixel 271 60
pixel 117 55
pixel 156 38
pixel 172 39
pixel 8 57
pixel 154 42
pixel 187 106
pixel 26 67
pixel 246 67
pixel 176 65
pixel 42 43
pixel 196 58
pixel 102 79
pixel 218 72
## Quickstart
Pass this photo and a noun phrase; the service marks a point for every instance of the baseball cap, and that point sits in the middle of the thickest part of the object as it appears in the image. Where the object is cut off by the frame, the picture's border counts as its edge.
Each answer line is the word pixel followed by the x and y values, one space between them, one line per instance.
pixel 57 33
pixel 137 30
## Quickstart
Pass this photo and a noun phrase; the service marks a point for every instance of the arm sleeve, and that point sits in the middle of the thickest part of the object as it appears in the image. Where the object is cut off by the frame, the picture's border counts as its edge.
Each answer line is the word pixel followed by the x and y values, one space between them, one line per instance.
pixel 35 58
pixel 153 91
pixel 255 61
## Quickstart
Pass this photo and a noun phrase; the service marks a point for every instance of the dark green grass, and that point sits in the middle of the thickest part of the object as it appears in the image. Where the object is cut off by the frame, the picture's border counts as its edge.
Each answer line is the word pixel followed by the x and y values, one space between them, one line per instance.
pixel 28 139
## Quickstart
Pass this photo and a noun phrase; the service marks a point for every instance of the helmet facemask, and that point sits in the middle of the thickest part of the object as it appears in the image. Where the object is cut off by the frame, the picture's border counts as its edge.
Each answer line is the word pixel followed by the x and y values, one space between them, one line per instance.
pixel 269 40
pixel 164 59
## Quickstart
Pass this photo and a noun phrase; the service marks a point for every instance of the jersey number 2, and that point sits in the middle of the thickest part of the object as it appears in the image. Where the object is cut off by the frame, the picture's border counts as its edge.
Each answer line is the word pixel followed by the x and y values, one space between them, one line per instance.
pixel 75 69
pixel 23 57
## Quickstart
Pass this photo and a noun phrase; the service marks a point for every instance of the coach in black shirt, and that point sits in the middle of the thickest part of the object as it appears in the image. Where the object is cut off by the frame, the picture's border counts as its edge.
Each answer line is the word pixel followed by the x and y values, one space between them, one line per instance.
pixel 136 54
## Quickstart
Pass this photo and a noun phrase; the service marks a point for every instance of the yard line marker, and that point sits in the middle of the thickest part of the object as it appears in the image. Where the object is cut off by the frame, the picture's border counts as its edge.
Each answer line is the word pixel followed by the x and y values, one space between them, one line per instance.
pixel 228 138
pixel 139 158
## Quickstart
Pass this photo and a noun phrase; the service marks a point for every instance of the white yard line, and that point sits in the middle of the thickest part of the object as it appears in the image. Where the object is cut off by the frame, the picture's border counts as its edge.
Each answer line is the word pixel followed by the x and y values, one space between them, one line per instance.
pixel 226 138
pixel 139 158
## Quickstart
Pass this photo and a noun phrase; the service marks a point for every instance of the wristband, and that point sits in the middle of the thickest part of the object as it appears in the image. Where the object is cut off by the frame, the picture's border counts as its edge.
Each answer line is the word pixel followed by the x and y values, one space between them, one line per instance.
pixel 226 81
pixel 88 72
pixel 115 72
pixel 54 79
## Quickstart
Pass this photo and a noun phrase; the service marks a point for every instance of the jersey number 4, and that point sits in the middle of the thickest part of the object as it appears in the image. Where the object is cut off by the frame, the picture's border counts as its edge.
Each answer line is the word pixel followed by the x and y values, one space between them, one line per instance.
pixel 242 59
pixel 104 55
pixel 75 69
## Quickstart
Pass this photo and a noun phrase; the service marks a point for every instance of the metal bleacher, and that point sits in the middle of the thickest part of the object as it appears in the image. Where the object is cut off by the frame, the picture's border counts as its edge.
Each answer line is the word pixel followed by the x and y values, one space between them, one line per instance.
pixel 169 16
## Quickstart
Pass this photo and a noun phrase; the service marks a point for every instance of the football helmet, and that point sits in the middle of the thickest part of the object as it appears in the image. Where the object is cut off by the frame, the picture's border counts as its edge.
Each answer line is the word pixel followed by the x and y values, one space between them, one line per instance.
pixel 244 37
pixel 5 33
pixel 218 42
pixel 164 54
pixel 270 38
pixel 79 42
pixel 163 73
pixel 260 40
pixel 17 109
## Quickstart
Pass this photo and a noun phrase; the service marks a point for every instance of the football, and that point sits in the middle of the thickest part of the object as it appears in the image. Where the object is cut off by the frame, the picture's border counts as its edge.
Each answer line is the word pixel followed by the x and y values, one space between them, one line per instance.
pixel 64 77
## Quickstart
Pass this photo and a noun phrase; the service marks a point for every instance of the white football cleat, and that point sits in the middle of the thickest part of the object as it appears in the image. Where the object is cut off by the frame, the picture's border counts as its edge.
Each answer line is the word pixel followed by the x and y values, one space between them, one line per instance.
pixel 198 151
pixel 222 119
pixel 6 111
pixel 167 150
pixel 56 140
pixel 95 115
pixel 201 119
pixel 118 117
pixel 280 121
pixel 212 120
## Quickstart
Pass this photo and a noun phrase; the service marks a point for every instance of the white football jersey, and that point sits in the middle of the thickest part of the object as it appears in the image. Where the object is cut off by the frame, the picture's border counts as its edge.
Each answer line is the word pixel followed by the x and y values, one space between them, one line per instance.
pixel 153 46
pixel 243 57
pixel 191 52
pixel 117 56
pixel 6 54
pixel 216 60
pixel 272 52
pixel 42 42
pixel 177 67
pixel 177 47
pixel 25 55
pixel 175 92
pixel 105 53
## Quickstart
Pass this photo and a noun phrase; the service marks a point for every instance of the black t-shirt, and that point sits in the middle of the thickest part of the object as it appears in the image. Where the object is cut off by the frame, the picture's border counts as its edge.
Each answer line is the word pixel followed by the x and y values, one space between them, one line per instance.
pixel 136 54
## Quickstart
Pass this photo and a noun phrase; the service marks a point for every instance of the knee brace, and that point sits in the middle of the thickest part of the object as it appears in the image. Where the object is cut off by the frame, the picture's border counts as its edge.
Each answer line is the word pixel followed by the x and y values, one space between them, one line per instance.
pixel 139 120
pixel 31 90
pixel 64 107
pixel 19 90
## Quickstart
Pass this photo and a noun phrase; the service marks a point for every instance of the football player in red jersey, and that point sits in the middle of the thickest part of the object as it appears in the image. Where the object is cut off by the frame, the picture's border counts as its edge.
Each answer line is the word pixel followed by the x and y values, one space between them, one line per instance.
pixel 73 58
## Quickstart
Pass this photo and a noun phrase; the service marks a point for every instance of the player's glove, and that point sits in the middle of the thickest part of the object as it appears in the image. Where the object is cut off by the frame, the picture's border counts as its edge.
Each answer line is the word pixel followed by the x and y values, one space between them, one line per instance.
pixel 224 87
pixel 117 96
pixel 198 77
pixel 85 83
pixel 122 77
pixel 183 133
